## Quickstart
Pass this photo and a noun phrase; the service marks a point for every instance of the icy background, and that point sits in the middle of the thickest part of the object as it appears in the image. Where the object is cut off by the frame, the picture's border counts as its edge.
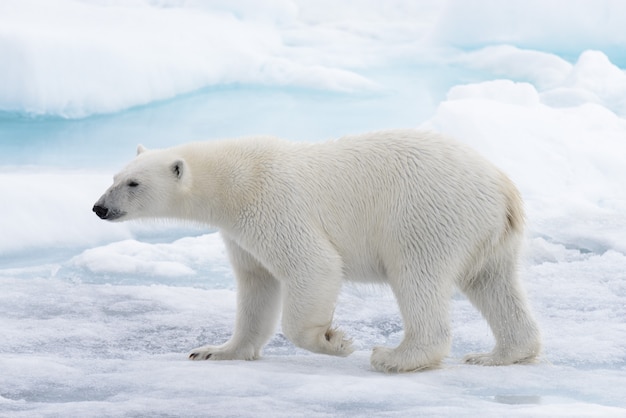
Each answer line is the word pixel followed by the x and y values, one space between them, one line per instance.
pixel 96 318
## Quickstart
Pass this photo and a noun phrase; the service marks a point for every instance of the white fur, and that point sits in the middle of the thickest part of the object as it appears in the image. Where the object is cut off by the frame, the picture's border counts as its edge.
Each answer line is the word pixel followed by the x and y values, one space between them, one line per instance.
pixel 412 209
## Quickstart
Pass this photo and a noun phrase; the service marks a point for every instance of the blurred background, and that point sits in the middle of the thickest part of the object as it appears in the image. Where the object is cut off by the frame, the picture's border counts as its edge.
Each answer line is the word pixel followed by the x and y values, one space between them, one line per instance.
pixel 536 86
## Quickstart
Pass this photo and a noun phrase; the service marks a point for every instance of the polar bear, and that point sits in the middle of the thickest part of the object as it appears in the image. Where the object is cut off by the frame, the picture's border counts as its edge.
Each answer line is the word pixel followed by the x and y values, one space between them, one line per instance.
pixel 415 210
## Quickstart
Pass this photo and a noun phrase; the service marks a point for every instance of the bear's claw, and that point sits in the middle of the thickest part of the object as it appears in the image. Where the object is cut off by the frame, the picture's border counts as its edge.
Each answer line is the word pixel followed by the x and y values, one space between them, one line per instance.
pixel 223 352
pixel 198 356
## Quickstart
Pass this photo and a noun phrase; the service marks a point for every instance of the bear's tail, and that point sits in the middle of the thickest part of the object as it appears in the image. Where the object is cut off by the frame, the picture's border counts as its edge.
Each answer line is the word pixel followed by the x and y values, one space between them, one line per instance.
pixel 515 218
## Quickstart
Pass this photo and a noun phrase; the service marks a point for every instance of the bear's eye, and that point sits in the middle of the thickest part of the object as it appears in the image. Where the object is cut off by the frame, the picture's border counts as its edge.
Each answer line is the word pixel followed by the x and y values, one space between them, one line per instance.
pixel 133 183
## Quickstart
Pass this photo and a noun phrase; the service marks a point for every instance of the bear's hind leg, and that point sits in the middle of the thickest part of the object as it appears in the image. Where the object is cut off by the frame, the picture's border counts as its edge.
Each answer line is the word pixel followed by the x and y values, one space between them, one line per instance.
pixel 258 307
pixel 497 294
pixel 425 313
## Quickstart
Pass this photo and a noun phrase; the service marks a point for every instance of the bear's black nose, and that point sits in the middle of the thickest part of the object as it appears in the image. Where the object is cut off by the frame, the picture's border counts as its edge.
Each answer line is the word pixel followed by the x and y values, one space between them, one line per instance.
pixel 101 211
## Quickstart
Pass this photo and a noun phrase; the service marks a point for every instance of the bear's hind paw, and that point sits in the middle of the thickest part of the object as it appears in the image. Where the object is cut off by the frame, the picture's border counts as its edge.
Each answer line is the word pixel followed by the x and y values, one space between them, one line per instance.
pixel 495 359
pixel 482 359
pixel 389 360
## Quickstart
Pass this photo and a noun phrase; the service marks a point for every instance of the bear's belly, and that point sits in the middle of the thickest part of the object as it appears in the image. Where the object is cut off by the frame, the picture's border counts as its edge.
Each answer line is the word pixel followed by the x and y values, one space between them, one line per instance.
pixel 368 270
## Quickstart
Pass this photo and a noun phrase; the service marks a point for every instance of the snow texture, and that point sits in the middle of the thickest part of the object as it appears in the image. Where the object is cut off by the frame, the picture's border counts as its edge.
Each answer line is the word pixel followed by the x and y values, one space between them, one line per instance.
pixel 97 318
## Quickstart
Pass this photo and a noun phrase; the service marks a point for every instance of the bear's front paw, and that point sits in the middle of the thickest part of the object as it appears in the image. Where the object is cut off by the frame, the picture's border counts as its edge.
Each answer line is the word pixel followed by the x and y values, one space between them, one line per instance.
pixel 323 341
pixel 339 344
pixel 222 352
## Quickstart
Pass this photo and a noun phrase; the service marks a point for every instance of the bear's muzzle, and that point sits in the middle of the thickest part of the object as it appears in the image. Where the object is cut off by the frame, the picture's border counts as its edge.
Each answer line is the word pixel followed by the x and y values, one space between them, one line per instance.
pixel 101 211
pixel 106 213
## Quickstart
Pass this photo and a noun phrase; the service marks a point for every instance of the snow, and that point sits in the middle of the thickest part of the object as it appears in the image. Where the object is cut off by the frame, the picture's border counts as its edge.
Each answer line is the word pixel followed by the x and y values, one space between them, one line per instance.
pixel 567 161
pixel 560 26
pixel 97 318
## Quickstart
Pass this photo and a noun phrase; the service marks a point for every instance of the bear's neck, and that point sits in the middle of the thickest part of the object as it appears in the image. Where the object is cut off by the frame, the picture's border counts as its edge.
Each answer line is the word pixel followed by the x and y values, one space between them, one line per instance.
pixel 226 177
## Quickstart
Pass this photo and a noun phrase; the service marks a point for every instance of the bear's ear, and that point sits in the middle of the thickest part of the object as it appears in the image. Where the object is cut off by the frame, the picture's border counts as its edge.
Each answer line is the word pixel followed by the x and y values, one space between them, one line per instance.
pixel 141 148
pixel 178 168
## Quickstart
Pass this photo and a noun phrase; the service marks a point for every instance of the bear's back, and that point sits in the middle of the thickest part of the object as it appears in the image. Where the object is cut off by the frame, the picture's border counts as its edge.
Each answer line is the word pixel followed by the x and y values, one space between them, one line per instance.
pixel 374 193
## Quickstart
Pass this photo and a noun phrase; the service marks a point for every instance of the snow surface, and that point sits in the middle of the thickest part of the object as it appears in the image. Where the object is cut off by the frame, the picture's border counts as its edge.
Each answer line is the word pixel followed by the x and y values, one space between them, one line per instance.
pixel 97 318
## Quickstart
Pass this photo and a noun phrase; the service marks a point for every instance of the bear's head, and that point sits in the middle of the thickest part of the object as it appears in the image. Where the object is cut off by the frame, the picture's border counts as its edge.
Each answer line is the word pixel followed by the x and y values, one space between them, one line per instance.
pixel 151 186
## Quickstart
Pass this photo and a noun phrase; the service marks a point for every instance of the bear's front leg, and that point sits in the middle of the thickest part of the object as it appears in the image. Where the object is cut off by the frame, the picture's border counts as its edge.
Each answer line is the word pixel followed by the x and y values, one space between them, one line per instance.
pixel 308 307
pixel 258 307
